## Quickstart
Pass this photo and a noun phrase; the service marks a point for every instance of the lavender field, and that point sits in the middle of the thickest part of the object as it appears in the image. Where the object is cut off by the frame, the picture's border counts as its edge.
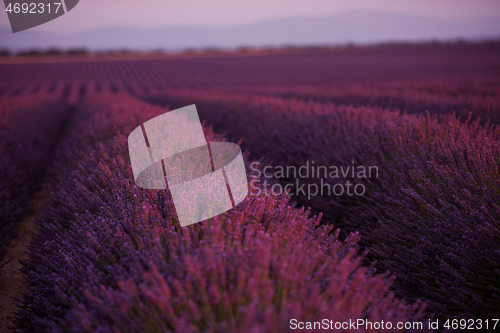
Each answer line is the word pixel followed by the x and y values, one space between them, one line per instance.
pixel 416 238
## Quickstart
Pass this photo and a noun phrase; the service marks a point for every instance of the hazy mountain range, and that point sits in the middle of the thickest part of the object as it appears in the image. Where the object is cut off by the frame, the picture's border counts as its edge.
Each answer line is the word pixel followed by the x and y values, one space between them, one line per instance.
pixel 340 28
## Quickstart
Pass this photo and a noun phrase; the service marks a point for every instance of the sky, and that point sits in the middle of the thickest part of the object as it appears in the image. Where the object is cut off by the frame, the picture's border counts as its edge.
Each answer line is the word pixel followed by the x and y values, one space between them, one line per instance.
pixel 94 14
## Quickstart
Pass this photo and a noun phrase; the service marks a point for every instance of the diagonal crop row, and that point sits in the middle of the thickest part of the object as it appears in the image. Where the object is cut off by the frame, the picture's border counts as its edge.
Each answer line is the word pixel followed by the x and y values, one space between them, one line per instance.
pixel 477 100
pixel 28 134
pixel 431 216
pixel 110 257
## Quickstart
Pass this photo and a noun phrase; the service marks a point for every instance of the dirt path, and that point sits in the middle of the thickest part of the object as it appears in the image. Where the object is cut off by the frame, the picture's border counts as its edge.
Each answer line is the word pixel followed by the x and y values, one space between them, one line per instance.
pixel 12 280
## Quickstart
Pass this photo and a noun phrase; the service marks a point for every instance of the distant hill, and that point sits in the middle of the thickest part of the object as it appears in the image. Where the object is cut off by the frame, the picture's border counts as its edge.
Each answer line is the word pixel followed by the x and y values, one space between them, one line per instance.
pixel 354 26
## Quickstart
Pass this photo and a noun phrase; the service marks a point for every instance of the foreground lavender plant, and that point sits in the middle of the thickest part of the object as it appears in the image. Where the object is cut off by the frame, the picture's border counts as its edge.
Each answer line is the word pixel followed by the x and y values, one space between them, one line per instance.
pixel 432 215
pixel 110 257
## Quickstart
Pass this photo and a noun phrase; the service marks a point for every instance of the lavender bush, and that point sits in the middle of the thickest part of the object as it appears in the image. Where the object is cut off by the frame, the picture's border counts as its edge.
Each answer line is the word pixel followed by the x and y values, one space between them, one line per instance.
pixel 110 257
pixel 28 133
pixel 432 214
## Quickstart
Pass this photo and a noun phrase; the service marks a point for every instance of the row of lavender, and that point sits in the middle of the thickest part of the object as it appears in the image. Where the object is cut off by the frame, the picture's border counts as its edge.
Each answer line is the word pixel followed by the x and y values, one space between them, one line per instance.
pixel 465 99
pixel 110 257
pixel 431 213
pixel 479 99
pixel 28 133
